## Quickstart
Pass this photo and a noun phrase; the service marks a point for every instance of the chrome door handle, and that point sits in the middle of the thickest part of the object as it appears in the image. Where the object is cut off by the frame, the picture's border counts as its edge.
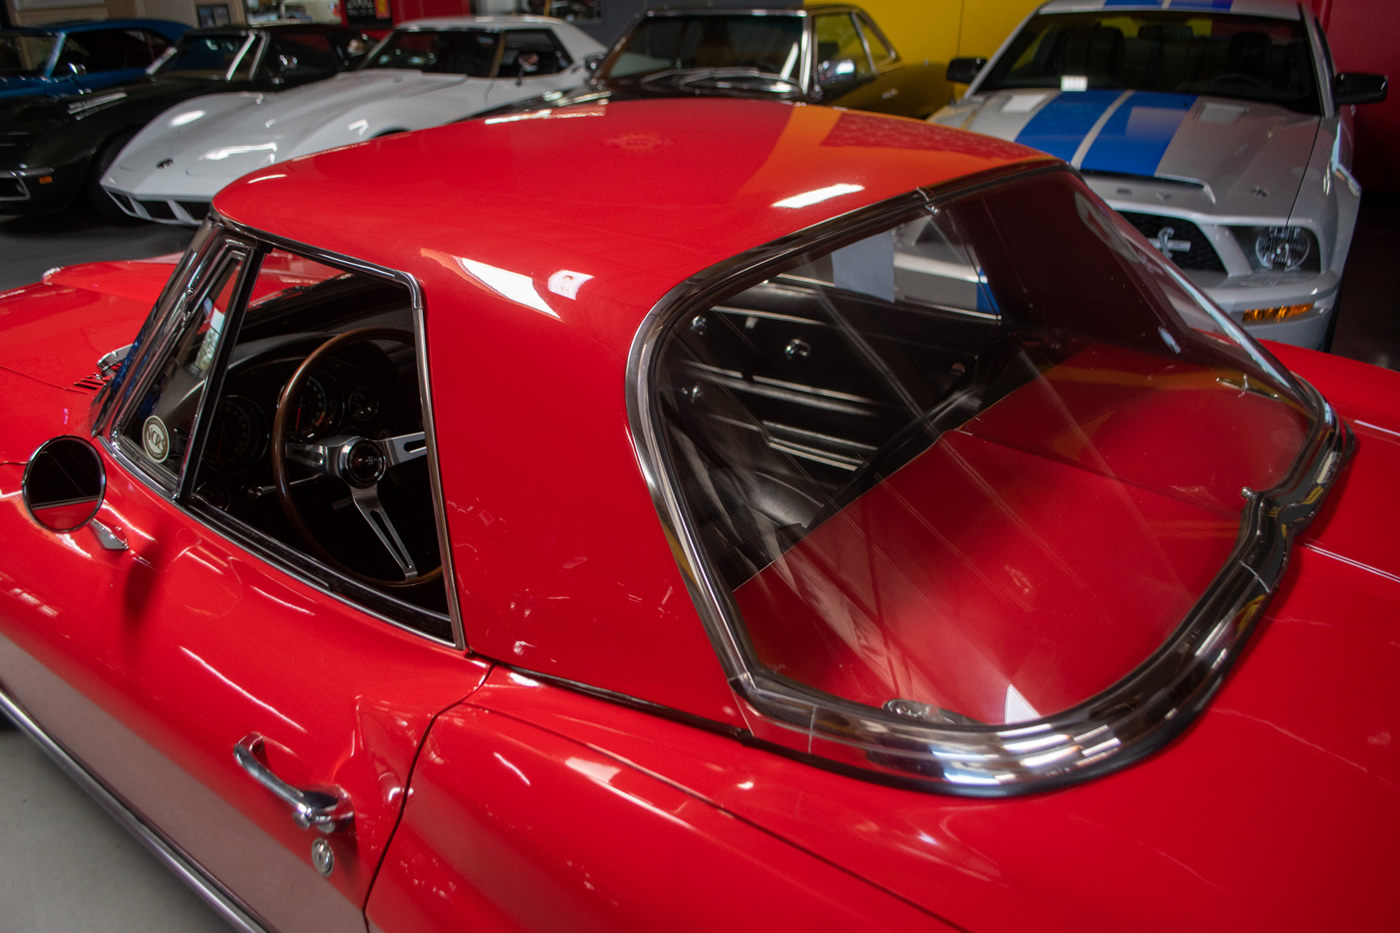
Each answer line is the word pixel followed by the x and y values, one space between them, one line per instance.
pixel 327 811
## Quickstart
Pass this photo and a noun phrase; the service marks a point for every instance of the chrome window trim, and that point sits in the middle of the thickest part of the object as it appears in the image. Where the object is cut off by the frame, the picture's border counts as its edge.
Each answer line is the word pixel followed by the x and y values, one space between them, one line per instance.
pixel 164 324
pixel 254 38
pixel 222 901
pixel 1133 718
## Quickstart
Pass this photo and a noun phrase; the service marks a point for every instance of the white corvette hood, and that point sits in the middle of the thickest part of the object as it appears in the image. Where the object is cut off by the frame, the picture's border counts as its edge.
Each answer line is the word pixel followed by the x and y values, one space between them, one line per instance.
pixel 1248 158
pixel 201 145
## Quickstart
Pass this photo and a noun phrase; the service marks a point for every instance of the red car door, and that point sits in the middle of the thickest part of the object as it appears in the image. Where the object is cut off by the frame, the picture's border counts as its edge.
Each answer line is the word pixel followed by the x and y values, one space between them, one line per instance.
pixel 214 669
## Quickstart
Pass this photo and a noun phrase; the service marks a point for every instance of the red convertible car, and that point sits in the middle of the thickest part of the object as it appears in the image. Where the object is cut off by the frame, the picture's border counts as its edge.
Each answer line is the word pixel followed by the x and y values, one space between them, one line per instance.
pixel 865 530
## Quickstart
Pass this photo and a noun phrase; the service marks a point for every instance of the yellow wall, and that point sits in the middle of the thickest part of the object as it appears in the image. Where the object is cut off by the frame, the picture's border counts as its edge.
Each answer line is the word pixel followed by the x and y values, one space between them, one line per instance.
pixel 938 31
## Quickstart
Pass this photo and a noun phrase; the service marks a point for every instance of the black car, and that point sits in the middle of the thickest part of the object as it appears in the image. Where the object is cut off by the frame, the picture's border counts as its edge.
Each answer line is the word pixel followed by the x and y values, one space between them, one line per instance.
pixel 829 54
pixel 53 150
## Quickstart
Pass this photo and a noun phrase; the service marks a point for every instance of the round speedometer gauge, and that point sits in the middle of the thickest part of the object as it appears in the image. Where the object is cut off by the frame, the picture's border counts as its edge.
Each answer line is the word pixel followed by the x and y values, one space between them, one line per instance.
pixel 317 407
pixel 238 437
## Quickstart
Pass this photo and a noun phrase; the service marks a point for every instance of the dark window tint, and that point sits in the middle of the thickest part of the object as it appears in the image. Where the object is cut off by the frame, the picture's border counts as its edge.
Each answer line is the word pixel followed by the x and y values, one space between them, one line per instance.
pixel 302 56
pixel 110 50
pixel 210 56
pixel 533 52
pixel 470 52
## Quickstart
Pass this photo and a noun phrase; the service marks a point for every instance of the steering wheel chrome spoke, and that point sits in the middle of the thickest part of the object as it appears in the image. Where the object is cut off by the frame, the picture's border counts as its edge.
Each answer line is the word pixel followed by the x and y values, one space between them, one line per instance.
pixel 361 463
pixel 367 501
pixel 319 457
pixel 404 448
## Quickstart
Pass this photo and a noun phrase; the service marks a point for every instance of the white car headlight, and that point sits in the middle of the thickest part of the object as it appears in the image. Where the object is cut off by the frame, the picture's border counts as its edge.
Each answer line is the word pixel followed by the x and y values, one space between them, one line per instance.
pixel 1280 249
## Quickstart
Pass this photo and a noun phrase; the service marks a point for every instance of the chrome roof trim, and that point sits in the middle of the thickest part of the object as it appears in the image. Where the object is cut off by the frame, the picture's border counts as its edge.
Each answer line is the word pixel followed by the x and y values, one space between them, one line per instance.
pixel 1136 716
pixel 185 868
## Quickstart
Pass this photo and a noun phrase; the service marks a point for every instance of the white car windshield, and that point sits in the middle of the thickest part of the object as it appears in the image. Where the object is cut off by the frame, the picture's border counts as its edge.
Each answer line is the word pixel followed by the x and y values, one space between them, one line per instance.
pixel 1196 52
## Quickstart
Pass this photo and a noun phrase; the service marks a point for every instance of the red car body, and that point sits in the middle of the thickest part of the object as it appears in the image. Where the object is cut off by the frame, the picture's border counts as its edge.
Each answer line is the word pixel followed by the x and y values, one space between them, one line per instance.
pixel 577 756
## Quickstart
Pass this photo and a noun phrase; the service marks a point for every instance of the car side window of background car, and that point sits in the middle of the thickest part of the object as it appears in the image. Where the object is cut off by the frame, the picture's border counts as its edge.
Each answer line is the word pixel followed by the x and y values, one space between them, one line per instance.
pixel 837 41
pixel 301 56
pixel 470 52
pixel 548 58
pixel 880 49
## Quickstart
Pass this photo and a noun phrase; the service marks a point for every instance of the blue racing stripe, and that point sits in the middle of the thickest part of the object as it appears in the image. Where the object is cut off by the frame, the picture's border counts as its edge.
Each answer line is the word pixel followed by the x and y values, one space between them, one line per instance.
pixel 1136 137
pixel 1062 124
pixel 1200 4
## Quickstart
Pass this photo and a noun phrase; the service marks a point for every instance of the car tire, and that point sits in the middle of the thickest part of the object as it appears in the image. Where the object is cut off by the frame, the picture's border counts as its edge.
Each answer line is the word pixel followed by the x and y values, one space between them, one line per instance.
pixel 100 200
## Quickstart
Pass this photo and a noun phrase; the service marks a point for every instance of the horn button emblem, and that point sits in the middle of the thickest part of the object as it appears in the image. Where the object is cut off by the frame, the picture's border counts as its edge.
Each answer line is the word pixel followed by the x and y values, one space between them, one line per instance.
pixel 363 464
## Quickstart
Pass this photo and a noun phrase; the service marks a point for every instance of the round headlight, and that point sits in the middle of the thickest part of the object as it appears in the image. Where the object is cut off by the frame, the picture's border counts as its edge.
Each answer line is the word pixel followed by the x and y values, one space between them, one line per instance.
pixel 1282 249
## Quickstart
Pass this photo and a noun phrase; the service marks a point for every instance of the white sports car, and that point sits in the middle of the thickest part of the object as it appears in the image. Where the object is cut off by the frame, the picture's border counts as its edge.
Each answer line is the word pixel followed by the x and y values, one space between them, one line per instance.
pixel 425 73
pixel 1216 127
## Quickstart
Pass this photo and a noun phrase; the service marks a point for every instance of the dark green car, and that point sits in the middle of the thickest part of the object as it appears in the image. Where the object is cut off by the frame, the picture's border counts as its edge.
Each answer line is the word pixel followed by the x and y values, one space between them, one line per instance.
pixel 53 150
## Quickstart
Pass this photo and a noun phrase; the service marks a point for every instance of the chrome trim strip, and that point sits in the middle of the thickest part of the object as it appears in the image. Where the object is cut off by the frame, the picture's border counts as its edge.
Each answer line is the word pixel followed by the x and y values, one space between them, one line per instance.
pixel 1135 717
pixel 185 868
pixel 25 172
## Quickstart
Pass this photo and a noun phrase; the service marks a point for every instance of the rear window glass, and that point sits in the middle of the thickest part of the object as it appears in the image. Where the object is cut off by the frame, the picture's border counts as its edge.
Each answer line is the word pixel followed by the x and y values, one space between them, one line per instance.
pixel 973 468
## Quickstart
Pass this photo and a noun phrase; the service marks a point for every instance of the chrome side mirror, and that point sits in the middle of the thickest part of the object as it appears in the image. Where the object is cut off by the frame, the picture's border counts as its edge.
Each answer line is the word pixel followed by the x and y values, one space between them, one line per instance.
pixel 64 483
pixel 836 72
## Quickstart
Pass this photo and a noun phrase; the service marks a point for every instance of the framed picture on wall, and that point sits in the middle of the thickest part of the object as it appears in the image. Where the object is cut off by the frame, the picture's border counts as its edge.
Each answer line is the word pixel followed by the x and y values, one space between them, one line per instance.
pixel 212 14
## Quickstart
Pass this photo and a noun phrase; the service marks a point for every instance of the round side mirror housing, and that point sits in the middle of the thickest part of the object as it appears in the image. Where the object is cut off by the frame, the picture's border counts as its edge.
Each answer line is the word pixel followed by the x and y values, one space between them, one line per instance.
pixel 64 483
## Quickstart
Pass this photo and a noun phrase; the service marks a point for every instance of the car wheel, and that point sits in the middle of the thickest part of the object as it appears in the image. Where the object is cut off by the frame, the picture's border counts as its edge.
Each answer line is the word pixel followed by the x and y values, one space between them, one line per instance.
pixel 100 200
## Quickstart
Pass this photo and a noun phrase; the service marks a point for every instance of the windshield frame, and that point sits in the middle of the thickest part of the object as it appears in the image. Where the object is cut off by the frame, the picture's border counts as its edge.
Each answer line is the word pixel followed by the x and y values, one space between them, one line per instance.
pixel 1138 714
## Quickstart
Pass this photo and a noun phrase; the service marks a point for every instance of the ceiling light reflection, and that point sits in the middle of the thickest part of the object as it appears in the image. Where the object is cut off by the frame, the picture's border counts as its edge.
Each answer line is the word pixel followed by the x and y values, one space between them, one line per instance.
pixel 808 198
pixel 513 286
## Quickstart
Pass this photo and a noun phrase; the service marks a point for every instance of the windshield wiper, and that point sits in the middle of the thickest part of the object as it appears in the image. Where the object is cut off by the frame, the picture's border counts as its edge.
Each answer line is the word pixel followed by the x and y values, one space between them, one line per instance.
pixel 743 79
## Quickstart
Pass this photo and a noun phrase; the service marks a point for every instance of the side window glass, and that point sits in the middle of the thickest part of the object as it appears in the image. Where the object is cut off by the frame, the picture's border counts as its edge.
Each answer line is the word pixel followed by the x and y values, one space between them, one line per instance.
pixel 532 52
pixel 315 445
pixel 73 57
pixel 880 50
pixel 838 41
pixel 301 57
pixel 160 425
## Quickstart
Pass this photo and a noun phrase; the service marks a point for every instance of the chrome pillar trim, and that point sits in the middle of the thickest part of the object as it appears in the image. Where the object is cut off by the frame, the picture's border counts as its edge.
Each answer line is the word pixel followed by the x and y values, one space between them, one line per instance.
pixel 210 891
pixel 1135 717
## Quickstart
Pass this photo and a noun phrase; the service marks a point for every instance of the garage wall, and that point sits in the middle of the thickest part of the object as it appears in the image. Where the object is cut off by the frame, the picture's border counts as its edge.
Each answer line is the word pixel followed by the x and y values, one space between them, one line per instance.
pixel 1362 36
pixel 938 31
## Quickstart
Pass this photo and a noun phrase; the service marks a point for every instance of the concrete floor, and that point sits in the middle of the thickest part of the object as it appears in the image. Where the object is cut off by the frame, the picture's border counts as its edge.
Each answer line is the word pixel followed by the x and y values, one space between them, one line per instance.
pixel 65 867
